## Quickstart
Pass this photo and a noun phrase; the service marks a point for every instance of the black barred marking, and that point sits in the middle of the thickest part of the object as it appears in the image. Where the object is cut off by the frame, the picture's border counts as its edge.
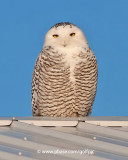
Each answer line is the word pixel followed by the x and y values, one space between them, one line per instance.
pixel 53 94
pixel 63 24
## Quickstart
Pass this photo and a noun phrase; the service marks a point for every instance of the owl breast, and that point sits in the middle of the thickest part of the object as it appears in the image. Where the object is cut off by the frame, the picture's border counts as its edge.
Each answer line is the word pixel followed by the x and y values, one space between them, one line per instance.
pixel 66 86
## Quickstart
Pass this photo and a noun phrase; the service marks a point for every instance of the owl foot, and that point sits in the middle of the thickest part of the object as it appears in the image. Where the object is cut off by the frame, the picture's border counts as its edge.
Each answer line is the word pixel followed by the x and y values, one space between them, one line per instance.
pixel 75 114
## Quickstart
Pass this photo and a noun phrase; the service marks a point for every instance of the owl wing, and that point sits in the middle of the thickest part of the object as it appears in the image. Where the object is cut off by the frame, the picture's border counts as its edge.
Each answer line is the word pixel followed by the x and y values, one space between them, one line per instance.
pixel 86 81
pixel 34 89
pixel 93 75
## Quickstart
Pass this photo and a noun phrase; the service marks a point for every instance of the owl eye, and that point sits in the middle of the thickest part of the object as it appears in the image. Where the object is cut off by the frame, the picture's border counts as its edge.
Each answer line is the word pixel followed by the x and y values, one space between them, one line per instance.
pixel 55 35
pixel 72 34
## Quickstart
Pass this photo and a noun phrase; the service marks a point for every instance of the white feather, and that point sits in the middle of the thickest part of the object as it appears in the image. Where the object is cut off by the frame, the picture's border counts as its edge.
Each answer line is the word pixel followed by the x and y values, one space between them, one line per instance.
pixel 74 45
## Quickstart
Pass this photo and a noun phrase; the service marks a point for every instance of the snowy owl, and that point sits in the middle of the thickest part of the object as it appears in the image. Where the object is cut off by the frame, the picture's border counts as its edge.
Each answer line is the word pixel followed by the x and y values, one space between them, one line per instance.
pixel 64 79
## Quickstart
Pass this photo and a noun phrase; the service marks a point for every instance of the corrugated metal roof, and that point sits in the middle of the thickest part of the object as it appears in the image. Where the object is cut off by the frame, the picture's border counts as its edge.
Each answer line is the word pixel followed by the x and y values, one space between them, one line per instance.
pixel 91 138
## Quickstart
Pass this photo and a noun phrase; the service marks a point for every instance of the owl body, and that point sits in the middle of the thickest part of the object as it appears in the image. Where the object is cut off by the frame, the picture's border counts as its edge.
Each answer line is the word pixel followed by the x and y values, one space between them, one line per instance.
pixel 64 80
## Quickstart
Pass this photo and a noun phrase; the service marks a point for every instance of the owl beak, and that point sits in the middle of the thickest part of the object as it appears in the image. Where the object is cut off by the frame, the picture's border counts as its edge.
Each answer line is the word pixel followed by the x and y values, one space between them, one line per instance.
pixel 64 44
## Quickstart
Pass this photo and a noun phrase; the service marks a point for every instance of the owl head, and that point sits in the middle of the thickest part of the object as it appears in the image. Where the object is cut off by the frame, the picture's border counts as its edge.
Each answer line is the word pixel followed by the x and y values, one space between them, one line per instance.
pixel 65 35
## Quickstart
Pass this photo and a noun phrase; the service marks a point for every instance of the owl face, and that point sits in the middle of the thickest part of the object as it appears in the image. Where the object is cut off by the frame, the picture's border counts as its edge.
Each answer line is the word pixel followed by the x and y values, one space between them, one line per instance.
pixel 65 35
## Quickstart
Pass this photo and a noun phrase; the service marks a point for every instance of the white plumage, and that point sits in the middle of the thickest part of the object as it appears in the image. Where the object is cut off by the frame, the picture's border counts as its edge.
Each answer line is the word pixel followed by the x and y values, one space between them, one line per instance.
pixel 64 80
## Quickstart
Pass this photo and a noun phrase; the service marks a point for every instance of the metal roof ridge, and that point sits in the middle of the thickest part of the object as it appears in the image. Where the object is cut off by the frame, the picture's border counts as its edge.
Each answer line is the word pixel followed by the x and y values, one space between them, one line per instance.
pixel 104 131
pixel 68 121
pixel 87 118
pixel 42 147
pixel 111 148
pixel 5 156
